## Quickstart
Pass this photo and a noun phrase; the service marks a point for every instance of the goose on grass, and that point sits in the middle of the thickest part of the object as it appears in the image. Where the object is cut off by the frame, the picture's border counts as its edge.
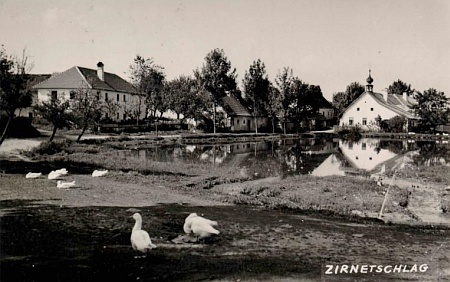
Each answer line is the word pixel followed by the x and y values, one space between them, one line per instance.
pixel 140 240
pixel 55 174
pixel 65 185
pixel 200 226
pixel 99 173
pixel 33 175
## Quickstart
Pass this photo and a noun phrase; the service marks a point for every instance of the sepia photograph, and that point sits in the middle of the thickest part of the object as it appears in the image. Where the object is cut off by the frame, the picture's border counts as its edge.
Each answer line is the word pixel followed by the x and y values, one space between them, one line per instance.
pixel 226 141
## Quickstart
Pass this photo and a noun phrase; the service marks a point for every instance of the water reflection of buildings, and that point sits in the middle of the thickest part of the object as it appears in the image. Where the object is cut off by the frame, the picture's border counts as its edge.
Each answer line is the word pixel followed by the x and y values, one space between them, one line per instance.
pixel 366 154
pixel 319 157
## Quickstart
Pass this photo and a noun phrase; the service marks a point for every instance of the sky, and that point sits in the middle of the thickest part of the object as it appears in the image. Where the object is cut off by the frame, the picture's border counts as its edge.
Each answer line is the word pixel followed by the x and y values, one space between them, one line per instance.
pixel 330 43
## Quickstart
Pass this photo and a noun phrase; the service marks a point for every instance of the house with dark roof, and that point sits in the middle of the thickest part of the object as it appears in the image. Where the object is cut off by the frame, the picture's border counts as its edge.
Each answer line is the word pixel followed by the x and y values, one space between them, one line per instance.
pixel 236 117
pixel 364 111
pixel 109 88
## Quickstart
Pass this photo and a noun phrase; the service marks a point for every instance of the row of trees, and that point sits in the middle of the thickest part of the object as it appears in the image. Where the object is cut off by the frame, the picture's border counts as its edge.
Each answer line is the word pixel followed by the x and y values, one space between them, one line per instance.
pixel 197 96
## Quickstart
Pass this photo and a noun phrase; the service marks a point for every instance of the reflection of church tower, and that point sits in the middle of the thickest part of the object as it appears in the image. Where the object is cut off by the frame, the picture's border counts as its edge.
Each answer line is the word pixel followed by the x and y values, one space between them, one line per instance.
pixel 369 86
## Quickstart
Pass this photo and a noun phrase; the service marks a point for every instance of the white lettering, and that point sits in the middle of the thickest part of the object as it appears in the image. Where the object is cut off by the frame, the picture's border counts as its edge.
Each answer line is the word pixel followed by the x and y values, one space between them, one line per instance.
pixel 379 269
pixel 386 269
pixel 329 269
pixel 364 268
pixel 354 269
pixel 423 267
pixel 344 268
pixel 372 267
pixel 414 268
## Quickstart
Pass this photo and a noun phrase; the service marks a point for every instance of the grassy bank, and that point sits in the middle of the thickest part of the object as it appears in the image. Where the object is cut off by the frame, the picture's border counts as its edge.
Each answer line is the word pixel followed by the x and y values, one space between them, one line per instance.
pixel 333 195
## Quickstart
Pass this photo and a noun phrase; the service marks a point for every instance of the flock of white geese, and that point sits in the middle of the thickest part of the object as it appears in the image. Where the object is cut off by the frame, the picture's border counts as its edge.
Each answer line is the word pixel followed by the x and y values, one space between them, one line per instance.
pixel 194 224
pixel 57 174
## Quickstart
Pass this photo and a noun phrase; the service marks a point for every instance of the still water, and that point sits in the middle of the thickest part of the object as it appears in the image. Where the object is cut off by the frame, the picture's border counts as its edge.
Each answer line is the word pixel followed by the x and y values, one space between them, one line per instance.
pixel 318 157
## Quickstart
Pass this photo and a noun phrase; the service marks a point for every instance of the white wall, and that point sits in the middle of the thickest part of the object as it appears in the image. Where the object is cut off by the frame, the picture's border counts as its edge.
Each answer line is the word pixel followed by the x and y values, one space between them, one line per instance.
pixel 369 109
pixel 130 100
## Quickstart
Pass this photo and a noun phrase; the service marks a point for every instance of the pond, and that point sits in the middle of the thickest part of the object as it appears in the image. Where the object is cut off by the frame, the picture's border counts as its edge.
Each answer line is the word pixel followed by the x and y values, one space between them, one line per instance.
pixel 317 157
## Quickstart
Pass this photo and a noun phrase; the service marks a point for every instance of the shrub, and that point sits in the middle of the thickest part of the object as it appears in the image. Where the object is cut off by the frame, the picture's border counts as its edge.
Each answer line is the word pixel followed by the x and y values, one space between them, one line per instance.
pixel 51 148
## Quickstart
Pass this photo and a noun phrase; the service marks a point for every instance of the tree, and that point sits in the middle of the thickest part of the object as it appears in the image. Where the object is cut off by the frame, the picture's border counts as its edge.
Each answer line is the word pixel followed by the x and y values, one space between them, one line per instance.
pixel 186 98
pixel 399 87
pixel 56 112
pixel 155 92
pixel 86 107
pixel 14 91
pixel 133 107
pixel 217 77
pixel 299 102
pixel 110 107
pixel 149 79
pixel 432 108
pixel 342 100
pixel 256 88
pixel 284 81
pixel 339 101
pixel 274 105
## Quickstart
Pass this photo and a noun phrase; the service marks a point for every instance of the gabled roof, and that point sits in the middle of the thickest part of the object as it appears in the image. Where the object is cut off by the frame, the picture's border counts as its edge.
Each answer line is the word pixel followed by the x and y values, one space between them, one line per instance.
pixel 233 107
pixel 395 103
pixel 34 79
pixel 76 77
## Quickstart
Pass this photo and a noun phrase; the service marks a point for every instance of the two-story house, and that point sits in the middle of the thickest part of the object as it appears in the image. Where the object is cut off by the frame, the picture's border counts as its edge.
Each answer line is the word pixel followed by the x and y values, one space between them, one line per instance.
pixel 109 88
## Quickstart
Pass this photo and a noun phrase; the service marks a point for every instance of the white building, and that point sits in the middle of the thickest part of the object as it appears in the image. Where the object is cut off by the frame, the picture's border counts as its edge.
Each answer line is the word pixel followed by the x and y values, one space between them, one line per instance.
pixel 109 88
pixel 367 107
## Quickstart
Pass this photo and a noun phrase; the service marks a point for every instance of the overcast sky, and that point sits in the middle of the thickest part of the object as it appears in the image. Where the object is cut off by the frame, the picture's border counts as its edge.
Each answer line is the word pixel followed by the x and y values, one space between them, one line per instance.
pixel 329 43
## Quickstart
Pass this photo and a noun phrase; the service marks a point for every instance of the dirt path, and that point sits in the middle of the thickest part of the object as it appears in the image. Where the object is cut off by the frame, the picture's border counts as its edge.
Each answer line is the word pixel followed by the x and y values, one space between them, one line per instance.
pixel 92 244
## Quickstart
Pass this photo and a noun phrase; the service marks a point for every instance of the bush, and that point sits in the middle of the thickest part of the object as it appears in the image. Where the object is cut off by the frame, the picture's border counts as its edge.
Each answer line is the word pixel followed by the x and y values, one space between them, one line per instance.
pixel 20 127
pixel 51 148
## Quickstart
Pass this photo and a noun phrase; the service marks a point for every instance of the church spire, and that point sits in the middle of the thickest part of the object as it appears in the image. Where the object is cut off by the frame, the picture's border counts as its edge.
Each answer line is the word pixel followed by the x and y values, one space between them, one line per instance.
pixel 369 86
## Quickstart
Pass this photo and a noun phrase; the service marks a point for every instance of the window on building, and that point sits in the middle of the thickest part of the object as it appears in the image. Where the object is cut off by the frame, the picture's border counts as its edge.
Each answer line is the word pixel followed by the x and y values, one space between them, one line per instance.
pixel 124 98
pixel 106 97
pixel 357 157
pixel 118 116
pixel 98 95
pixel 118 98
pixel 350 121
pixel 72 95
pixel 357 109
pixel 243 121
pixel 106 115
pixel 30 115
pixel 370 158
pixel 371 109
pixel 364 121
pixel 363 146
pixel 54 95
pixel 124 116
pixel 237 120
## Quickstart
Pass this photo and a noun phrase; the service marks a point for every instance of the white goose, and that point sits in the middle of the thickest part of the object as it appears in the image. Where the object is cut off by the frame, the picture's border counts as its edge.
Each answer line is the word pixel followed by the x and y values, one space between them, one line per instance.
pixel 65 185
pixel 33 175
pixel 200 226
pixel 140 240
pixel 55 174
pixel 99 173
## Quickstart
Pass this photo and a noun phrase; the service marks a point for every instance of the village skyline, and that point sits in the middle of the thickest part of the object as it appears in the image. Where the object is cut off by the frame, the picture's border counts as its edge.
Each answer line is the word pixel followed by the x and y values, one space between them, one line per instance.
pixel 326 43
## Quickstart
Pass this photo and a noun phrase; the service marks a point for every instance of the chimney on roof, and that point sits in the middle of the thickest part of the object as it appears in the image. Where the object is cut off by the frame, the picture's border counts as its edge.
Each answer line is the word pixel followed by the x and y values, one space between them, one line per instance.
pixel 385 95
pixel 100 71
pixel 405 96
